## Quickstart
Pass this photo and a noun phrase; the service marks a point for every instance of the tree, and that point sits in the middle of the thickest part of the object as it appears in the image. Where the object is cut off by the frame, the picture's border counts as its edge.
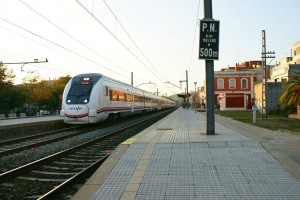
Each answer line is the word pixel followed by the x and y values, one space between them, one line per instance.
pixel 6 87
pixel 57 89
pixel 16 98
pixel 41 94
pixel 291 96
pixel 29 87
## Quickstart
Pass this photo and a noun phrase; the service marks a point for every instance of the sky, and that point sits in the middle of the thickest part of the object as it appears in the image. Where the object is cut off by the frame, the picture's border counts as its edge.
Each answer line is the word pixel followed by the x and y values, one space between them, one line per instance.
pixel 156 40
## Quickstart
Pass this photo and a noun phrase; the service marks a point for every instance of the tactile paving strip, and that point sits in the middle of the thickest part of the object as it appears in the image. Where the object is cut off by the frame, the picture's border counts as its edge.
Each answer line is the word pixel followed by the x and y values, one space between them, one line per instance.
pixel 191 171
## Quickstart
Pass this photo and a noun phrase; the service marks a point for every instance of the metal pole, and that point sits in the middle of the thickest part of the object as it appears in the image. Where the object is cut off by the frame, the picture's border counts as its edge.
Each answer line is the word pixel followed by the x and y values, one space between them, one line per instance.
pixel 131 78
pixel 187 90
pixel 209 70
pixel 264 77
pixel 195 96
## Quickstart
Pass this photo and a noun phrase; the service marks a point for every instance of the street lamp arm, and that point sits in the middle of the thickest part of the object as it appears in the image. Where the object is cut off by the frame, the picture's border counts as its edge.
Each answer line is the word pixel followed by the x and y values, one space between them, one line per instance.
pixel 35 61
pixel 145 83
pixel 24 63
pixel 172 84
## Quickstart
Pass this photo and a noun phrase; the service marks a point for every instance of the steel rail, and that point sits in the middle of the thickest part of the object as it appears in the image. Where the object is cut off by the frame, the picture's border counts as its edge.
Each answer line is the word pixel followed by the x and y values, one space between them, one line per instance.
pixel 70 181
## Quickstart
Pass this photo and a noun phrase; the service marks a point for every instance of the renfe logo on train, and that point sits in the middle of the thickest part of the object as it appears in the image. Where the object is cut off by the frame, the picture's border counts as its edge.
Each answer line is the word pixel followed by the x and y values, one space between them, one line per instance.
pixel 209 40
pixel 75 108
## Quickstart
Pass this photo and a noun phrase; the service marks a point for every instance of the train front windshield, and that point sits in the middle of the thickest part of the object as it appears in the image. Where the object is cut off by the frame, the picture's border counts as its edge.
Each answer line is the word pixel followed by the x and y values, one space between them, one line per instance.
pixel 80 93
pixel 80 90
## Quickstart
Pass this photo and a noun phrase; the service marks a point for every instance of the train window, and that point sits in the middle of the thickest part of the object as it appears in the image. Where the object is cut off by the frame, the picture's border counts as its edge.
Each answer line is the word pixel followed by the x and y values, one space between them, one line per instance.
pixel 136 98
pixel 121 96
pixel 114 96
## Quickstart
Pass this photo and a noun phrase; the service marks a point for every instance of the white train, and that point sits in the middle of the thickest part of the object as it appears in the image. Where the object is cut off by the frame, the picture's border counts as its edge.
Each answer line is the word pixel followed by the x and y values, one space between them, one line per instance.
pixel 91 98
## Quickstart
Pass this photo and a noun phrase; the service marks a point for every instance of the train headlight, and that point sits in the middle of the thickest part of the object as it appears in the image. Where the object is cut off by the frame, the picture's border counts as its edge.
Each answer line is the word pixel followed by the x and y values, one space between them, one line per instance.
pixel 69 101
pixel 85 101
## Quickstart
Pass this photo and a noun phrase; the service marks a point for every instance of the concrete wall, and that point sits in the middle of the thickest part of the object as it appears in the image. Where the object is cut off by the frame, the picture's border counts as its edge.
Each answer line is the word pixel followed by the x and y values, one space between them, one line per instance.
pixel 257 95
pixel 22 130
pixel 274 91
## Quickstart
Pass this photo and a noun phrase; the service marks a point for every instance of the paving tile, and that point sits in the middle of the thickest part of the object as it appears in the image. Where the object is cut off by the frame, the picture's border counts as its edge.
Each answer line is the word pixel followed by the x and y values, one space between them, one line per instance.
pixel 184 163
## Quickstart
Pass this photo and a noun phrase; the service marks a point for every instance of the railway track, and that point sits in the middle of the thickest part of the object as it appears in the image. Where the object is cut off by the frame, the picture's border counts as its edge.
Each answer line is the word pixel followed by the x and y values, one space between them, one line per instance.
pixel 47 177
pixel 19 144
pixel 30 144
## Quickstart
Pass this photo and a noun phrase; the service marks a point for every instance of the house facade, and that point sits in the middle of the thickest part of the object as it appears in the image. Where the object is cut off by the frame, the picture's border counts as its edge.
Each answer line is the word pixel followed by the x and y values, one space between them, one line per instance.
pixel 287 66
pixel 234 88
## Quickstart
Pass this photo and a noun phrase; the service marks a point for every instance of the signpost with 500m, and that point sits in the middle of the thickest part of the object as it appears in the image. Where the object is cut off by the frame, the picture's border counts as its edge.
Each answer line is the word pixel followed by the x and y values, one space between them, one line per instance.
pixel 209 40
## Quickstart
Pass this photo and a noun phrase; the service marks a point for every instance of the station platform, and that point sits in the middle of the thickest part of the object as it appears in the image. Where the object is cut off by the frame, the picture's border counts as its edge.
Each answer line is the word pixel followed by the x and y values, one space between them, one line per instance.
pixel 26 120
pixel 175 159
pixel 21 127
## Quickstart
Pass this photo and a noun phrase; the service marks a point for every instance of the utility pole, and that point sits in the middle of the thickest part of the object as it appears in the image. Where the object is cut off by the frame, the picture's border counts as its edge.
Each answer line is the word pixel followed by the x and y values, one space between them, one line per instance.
pixel 187 87
pixel 131 78
pixel 264 56
pixel 195 83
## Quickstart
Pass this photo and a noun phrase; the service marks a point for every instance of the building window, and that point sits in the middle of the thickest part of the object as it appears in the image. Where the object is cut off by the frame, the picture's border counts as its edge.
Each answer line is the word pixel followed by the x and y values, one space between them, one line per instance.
pixel 244 83
pixel 232 83
pixel 220 83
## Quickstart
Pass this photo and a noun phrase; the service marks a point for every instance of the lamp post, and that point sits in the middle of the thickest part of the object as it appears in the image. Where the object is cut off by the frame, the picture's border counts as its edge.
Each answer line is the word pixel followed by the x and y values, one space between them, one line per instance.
pixel 187 89
pixel 195 96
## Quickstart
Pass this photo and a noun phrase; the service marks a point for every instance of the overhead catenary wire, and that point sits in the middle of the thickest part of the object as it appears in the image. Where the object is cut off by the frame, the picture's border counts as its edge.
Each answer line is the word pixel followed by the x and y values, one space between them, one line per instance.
pixel 133 41
pixel 72 37
pixel 10 55
pixel 197 23
pixel 46 41
pixel 58 45
pixel 117 39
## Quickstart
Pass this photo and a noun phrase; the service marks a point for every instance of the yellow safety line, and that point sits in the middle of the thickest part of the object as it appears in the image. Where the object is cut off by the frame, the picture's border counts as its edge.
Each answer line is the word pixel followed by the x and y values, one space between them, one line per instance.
pixel 130 141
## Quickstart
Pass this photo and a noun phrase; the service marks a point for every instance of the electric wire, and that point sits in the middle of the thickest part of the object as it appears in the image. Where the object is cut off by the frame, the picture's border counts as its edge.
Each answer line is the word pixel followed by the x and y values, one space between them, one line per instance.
pixel 34 66
pixel 58 45
pixel 72 37
pixel 52 68
pixel 194 36
pixel 117 39
pixel 75 53
pixel 58 68
pixel 133 41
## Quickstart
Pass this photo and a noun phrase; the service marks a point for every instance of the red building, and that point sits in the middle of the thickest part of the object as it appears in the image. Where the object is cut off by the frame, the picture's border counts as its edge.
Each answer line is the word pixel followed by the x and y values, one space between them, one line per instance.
pixel 234 86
